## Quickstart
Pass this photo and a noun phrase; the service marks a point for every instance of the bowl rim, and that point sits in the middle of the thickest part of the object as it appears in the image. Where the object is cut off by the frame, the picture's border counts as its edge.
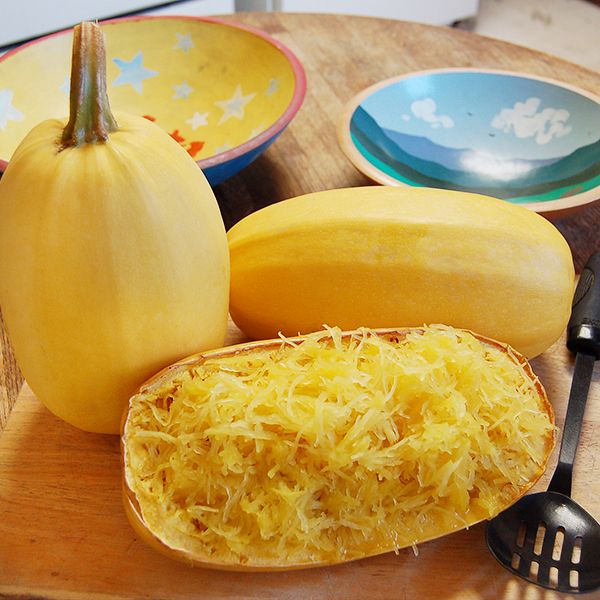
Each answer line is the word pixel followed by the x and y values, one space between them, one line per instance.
pixel 232 153
pixel 554 208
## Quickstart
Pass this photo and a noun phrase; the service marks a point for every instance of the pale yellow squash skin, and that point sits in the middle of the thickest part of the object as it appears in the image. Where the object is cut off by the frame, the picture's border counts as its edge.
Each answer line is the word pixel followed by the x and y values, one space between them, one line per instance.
pixel 113 263
pixel 401 257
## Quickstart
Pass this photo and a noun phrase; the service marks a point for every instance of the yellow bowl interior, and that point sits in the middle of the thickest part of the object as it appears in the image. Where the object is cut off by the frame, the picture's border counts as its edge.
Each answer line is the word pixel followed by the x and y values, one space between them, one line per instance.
pixel 210 85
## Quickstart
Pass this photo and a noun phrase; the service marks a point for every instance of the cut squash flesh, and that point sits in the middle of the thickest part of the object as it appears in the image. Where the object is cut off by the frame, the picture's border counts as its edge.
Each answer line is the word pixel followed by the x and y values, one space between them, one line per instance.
pixel 331 447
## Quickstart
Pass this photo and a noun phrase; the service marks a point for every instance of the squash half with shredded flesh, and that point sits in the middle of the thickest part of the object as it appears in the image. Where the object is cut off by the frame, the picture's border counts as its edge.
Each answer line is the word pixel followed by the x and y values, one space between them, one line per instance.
pixel 331 447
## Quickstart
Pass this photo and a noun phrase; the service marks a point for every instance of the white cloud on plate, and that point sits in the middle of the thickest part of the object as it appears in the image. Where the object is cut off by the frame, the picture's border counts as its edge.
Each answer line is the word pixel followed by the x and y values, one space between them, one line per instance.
pixel 426 110
pixel 493 166
pixel 525 120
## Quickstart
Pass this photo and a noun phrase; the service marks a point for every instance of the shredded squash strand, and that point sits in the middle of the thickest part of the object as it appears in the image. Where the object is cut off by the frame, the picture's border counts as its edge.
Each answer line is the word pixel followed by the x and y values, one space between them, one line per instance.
pixel 330 449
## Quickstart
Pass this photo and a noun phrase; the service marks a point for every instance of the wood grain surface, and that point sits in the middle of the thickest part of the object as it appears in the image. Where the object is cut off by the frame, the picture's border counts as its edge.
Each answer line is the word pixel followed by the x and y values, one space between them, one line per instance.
pixel 63 532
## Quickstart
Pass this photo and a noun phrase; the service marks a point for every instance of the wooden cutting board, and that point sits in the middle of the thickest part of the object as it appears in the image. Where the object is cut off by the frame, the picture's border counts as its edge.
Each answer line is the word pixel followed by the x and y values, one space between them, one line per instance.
pixel 64 534
pixel 63 531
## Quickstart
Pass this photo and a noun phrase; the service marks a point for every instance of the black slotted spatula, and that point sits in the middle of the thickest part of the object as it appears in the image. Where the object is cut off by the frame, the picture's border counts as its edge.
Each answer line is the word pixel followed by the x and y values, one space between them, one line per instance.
pixel 547 538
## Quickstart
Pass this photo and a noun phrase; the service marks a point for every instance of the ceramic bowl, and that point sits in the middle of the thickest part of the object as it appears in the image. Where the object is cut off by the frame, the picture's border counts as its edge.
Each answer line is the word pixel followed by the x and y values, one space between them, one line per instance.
pixel 222 90
pixel 528 140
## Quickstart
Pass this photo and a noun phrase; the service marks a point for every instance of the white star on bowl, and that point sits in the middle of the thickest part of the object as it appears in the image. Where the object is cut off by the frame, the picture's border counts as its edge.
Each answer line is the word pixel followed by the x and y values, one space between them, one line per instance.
pixel 234 106
pixel 197 120
pixel 133 72
pixel 7 111
pixel 184 42
pixel 272 88
pixel 66 86
pixel 182 91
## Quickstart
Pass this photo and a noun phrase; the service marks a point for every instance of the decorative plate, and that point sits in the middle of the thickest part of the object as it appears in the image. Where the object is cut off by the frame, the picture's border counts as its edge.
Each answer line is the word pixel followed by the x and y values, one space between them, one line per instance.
pixel 222 90
pixel 525 139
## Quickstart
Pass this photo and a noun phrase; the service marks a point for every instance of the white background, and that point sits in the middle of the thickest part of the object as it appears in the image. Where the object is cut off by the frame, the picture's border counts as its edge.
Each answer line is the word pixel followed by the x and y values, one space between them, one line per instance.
pixel 24 19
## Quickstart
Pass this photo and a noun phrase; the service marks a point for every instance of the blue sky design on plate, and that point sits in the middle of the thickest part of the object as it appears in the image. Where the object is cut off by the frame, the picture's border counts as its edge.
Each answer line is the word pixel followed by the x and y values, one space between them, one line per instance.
pixel 501 115
pixel 503 135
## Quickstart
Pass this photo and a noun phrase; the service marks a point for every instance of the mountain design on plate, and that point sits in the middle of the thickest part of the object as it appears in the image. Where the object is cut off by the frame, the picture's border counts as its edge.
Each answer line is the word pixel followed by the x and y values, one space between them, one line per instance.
pixel 423 162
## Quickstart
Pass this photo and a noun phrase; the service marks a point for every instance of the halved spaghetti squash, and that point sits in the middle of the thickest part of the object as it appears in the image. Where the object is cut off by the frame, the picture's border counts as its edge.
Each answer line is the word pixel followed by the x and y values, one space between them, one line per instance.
pixel 331 447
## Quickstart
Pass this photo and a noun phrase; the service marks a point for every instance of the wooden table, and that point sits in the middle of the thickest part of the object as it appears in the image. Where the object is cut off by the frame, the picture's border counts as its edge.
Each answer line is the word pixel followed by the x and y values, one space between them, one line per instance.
pixel 63 532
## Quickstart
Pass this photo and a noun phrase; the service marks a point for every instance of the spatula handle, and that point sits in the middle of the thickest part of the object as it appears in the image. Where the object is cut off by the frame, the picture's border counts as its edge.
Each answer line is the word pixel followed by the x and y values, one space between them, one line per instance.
pixel 583 330
pixel 583 338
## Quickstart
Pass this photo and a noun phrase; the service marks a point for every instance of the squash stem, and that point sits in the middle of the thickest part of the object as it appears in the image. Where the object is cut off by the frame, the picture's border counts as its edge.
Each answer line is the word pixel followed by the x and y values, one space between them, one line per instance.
pixel 90 118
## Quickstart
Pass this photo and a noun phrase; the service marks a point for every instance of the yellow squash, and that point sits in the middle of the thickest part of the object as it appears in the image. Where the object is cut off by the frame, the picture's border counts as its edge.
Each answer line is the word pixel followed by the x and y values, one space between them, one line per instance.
pixel 113 254
pixel 331 447
pixel 396 257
